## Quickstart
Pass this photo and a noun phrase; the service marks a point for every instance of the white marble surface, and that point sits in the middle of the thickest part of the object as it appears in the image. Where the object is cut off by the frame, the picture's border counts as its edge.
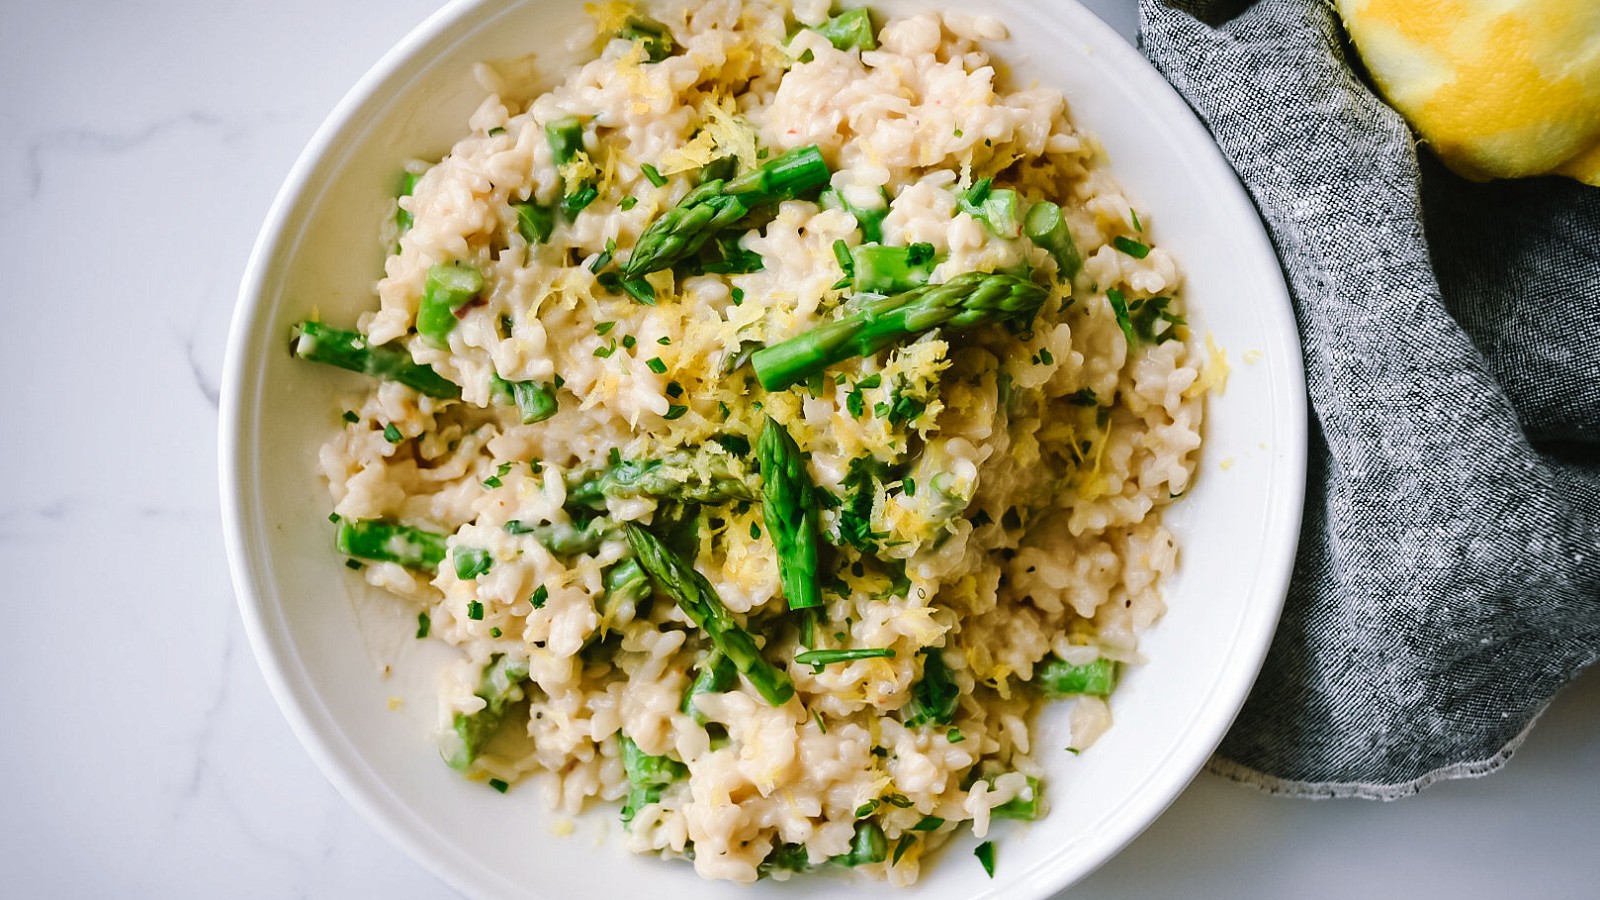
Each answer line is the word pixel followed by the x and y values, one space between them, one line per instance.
pixel 140 145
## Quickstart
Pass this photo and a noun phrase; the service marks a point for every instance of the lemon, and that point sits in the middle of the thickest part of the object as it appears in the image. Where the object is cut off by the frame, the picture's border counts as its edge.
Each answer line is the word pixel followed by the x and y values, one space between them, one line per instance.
pixel 1498 88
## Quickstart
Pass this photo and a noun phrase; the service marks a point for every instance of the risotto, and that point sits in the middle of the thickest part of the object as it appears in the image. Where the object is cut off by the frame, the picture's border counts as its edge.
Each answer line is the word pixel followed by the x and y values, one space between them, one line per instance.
pixel 774 414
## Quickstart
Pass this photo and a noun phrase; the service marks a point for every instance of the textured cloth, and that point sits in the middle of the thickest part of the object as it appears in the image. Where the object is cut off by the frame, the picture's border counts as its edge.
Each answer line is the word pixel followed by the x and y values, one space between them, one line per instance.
pixel 1448 576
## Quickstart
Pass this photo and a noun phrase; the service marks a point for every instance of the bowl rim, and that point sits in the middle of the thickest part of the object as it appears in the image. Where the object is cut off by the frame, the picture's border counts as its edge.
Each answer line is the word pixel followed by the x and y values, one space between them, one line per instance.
pixel 309 718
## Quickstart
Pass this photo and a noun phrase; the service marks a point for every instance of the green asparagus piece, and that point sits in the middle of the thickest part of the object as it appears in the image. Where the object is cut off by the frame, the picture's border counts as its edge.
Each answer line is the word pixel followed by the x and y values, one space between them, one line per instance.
pixel 785 858
pixel 448 289
pixel 566 538
pixel 349 350
pixel 962 302
pixel 716 204
pixel 566 142
pixel 626 586
pixel 716 676
pixel 534 222
pixel 687 475
pixel 1026 806
pixel 699 601
pixel 1046 228
pixel 384 541
pixel 996 207
pixel 869 846
pixel 1059 678
pixel 850 30
pixel 657 40
pixel 935 695
pixel 648 776
pixel 534 401
pixel 891 270
pixel 500 686
pixel 868 219
pixel 402 216
pixel 789 507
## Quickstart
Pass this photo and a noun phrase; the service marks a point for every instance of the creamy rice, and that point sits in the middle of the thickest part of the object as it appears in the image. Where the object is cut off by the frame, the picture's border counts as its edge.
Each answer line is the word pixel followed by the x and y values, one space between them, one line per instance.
pixel 1011 508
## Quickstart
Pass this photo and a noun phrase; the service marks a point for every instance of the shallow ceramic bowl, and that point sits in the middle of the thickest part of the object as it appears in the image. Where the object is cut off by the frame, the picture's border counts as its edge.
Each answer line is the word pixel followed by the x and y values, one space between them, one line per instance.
pixel 335 655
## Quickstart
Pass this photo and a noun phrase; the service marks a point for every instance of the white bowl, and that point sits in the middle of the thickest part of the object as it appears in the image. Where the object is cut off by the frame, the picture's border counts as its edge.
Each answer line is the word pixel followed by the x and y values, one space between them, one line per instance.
pixel 323 640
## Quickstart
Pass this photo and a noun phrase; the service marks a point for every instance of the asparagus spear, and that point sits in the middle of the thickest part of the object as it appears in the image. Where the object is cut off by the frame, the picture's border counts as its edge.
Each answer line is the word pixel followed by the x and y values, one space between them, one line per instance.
pixel 694 476
pixel 536 402
pixel 962 302
pixel 699 601
pixel 851 29
pixel 500 686
pixel 716 676
pixel 349 350
pixel 934 696
pixel 1046 228
pixel 383 541
pixel 789 507
pixel 448 289
pixel 716 204
pixel 1059 678
pixel 565 538
pixel 648 776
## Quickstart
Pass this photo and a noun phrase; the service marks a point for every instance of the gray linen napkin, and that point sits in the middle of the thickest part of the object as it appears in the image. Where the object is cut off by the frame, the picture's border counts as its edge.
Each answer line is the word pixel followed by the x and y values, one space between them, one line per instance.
pixel 1448 578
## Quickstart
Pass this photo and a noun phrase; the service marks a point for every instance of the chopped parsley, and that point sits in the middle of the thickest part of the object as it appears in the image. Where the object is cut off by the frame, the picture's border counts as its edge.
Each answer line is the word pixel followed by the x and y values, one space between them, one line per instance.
pixel 606 351
pixel 655 365
pixel 738 296
pixel 1083 397
pixel 675 411
pixel 351 417
pixel 985 854
pixel 603 328
pixel 655 177
pixel 424 625
pixel 470 562
pixel 627 203
pixel 663 340
pixel 755 531
pixel 494 632
pixel 392 434
pixel 499 785
pixel 906 840
pixel 539 596
pixel 954 736
pixel 628 341
pixel 475 611
pixel 1045 356
pixel 354 565
pixel 1131 247
pixel 928 823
